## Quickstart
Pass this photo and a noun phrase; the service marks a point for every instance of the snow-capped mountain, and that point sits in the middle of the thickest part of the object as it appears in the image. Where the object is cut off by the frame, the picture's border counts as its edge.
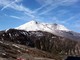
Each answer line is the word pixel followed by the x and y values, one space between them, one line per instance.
pixel 51 38
pixel 56 29
pixel 35 26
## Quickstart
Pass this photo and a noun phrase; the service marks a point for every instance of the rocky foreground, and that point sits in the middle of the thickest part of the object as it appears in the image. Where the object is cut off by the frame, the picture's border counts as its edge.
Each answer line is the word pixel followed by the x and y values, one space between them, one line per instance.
pixel 36 45
pixel 12 51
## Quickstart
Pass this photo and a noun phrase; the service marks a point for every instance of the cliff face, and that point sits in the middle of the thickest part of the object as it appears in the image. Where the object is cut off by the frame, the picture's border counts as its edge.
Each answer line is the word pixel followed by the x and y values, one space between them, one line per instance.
pixel 43 41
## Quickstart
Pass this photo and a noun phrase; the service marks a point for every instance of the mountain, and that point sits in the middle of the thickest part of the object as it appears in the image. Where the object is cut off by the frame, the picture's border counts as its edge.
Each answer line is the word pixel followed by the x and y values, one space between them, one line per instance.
pixel 36 26
pixel 39 41
pixel 39 44
pixel 20 45
pixel 56 29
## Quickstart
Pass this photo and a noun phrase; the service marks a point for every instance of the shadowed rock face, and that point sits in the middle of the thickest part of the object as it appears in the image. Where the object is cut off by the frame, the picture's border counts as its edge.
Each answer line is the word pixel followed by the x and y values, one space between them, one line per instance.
pixel 42 40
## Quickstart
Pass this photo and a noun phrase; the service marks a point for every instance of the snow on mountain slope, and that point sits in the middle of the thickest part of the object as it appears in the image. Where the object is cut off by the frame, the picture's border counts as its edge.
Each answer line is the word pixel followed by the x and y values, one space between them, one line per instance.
pixel 56 29
pixel 35 26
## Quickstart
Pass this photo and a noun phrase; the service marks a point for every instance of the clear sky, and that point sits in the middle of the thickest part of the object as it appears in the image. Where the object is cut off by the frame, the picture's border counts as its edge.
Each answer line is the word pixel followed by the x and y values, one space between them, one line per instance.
pixel 14 13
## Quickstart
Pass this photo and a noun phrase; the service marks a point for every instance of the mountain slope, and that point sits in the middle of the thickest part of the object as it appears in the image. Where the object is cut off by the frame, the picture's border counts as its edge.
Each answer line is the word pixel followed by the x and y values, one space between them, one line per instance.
pixel 56 29
pixel 42 40
pixel 12 51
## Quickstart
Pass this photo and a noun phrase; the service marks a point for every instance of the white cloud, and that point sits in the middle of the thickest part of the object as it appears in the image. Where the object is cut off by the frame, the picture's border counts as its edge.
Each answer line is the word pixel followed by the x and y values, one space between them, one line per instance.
pixel 69 2
pixel 44 4
pixel 13 4
pixel 16 17
pixel 52 4
pixel 38 9
pixel 31 15
pixel 7 3
pixel 47 6
pixel 72 17
pixel 24 17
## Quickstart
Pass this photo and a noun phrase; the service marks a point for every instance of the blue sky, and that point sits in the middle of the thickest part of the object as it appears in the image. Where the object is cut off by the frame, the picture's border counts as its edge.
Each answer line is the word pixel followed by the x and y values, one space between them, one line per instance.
pixel 14 13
